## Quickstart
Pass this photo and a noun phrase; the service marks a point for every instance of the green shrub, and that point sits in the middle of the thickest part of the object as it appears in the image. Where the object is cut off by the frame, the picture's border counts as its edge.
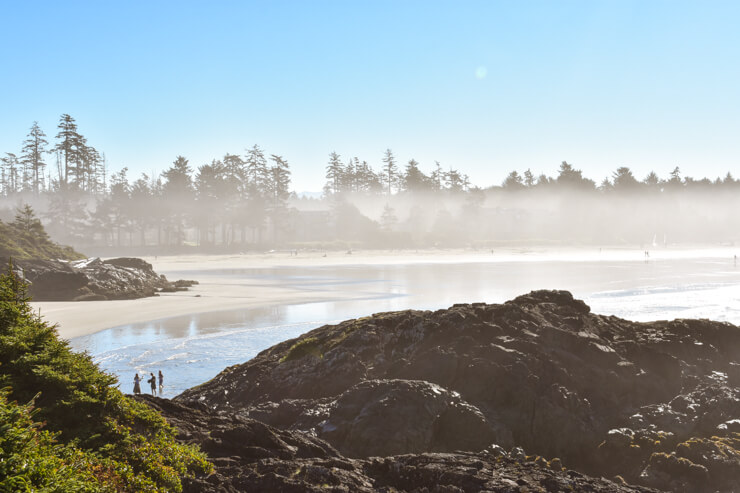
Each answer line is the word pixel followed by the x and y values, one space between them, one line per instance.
pixel 135 447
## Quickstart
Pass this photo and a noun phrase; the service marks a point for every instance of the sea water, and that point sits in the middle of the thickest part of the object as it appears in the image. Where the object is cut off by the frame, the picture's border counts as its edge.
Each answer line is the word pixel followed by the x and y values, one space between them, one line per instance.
pixel 192 349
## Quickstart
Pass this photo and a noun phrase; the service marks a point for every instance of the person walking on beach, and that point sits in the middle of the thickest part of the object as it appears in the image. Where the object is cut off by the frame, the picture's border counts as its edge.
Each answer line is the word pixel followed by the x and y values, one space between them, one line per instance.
pixel 153 382
pixel 137 387
pixel 161 381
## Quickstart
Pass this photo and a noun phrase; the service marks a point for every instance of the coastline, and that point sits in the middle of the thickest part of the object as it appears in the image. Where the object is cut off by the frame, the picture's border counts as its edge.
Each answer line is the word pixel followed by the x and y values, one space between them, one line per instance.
pixel 217 293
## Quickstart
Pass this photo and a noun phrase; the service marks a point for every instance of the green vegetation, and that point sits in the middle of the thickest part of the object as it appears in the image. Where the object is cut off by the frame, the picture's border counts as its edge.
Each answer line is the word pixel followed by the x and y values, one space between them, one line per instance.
pixel 25 238
pixel 94 437
pixel 304 347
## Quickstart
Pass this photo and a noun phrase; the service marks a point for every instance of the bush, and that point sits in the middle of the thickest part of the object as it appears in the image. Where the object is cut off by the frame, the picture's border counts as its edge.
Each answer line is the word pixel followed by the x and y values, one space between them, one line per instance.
pixel 81 407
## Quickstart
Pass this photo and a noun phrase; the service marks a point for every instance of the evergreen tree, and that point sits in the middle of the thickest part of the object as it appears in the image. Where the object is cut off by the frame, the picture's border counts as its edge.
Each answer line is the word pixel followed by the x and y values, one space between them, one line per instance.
pixel 390 169
pixel 141 206
pixel 70 146
pixel 513 182
pixel 573 178
pixel 34 148
pixel 652 181
pixel 279 181
pixel 27 223
pixel 256 170
pixel 624 180
pixel 11 175
pixel 334 173
pixel 414 180
pixel 178 193
pixel 528 178
pixel 437 176
pixel 454 181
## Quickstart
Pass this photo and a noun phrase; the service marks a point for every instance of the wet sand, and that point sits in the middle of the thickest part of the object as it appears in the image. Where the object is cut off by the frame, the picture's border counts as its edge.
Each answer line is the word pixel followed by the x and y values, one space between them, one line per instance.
pixel 220 290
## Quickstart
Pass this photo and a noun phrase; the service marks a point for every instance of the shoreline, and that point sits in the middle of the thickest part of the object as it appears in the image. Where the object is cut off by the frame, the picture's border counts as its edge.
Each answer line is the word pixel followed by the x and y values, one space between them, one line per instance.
pixel 220 292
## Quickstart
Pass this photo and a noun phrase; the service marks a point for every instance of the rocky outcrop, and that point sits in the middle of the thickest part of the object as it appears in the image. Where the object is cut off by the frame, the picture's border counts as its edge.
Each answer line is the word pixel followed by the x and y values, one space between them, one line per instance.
pixel 251 456
pixel 654 404
pixel 93 279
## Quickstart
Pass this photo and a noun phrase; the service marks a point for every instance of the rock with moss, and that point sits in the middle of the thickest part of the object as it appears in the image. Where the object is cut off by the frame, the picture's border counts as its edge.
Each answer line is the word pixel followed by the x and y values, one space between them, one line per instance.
pixel 607 396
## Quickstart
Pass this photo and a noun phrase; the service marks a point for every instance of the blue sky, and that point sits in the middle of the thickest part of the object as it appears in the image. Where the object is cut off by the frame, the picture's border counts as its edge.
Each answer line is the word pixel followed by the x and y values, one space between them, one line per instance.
pixel 484 87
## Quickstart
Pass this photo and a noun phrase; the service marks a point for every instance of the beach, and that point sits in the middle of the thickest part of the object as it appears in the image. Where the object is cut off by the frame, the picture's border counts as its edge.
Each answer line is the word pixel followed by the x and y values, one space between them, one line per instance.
pixel 221 290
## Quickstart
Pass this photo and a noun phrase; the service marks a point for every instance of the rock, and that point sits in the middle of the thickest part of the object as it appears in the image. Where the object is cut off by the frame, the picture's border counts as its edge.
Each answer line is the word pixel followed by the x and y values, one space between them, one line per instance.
pixel 93 279
pixel 389 417
pixel 541 372
pixel 250 456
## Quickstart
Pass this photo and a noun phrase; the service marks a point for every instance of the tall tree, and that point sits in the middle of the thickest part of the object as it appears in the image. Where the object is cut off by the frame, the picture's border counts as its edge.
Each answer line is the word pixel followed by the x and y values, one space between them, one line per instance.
pixel 256 170
pixel 514 181
pixel 334 173
pixel 279 181
pixel 528 178
pixel 11 175
pixel 573 178
pixel 34 148
pixel 390 170
pixel 141 206
pixel 178 194
pixel 624 180
pixel 454 181
pixel 437 176
pixel 70 145
pixel 414 180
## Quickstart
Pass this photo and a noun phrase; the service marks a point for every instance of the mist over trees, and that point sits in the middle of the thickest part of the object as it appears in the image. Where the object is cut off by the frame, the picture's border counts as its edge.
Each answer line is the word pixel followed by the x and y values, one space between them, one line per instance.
pixel 243 201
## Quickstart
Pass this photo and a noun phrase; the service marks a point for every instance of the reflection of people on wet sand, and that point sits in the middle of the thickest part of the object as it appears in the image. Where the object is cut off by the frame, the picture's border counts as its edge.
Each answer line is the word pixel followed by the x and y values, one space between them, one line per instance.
pixel 153 382
pixel 137 387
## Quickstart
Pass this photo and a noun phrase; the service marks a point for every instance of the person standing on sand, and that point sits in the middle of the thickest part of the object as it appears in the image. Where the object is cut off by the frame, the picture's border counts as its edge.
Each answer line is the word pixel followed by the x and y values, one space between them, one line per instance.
pixel 161 381
pixel 137 387
pixel 153 382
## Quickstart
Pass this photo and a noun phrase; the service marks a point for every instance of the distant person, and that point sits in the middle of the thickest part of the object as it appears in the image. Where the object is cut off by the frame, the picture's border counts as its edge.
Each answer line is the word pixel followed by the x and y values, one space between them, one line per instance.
pixel 153 382
pixel 137 387
pixel 735 260
pixel 161 381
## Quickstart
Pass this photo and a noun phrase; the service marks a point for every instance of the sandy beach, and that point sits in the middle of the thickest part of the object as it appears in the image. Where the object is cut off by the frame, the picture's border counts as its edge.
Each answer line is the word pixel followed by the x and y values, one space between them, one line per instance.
pixel 217 293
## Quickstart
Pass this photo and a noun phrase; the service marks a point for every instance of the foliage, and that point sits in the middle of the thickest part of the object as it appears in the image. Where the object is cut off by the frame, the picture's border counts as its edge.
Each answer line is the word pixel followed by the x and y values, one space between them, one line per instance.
pixel 243 201
pixel 30 460
pixel 25 237
pixel 79 403
pixel 304 347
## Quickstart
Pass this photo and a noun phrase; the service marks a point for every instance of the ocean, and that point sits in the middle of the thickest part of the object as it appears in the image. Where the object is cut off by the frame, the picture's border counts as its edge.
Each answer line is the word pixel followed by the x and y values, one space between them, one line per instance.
pixel 192 349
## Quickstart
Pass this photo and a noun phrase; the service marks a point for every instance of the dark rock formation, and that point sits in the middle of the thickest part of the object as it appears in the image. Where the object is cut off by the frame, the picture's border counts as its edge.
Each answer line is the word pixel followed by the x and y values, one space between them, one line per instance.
pixel 93 279
pixel 653 403
pixel 251 456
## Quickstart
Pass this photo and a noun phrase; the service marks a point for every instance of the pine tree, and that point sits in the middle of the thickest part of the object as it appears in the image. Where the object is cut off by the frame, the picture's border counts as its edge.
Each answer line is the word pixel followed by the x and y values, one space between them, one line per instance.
pixel 414 179
pixel 69 145
pixel 528 178
pixel 334 172
pixel 256 170
pixel 34 149
pixel 390 169
pixel 11 177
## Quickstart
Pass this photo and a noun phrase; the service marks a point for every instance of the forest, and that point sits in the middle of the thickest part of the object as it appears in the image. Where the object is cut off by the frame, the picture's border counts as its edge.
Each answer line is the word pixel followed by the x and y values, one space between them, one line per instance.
pixel 244 202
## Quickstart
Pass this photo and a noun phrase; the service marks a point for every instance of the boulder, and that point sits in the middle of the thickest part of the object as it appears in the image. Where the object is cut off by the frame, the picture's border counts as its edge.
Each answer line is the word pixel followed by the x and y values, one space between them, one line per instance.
pixel 539 372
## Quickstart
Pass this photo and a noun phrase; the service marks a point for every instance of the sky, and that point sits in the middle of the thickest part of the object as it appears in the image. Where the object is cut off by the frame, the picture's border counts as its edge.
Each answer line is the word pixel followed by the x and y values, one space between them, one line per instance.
pixel 482 87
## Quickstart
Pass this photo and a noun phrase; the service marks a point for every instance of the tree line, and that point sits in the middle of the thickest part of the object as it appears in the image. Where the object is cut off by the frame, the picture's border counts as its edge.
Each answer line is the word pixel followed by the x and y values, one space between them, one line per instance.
pixel 245 199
